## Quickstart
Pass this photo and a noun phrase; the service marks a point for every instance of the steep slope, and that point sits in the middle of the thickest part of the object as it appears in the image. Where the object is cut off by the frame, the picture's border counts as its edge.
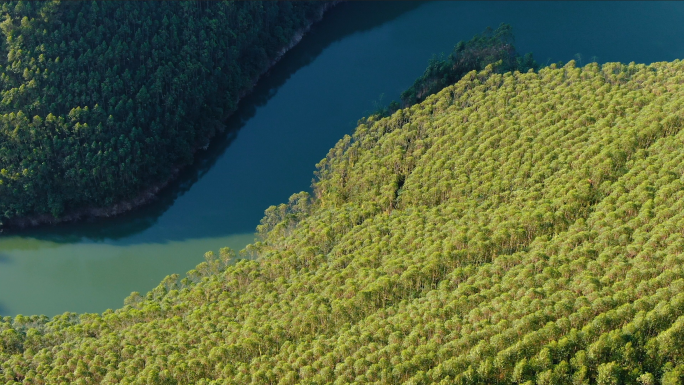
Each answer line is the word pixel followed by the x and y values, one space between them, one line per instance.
pixel 101 101
pixel 513 228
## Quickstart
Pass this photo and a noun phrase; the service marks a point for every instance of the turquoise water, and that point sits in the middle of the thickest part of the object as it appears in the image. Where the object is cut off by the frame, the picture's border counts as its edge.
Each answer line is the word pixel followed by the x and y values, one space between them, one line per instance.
pixel 361 56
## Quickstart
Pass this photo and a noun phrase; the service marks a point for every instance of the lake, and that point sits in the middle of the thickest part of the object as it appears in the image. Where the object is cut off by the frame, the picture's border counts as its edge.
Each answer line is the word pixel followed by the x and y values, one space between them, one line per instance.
pixel 358 58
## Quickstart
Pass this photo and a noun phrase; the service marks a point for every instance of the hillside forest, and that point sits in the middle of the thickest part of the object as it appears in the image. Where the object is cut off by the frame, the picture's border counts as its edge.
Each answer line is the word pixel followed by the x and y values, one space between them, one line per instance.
pixel 101 100
pixel 504 223
pixel 514 228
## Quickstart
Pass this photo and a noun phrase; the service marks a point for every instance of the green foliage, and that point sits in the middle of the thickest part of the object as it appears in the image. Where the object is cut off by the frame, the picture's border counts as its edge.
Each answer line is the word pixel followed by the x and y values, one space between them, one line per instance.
pixel 491 47
pixel 514 228
pixel 100 100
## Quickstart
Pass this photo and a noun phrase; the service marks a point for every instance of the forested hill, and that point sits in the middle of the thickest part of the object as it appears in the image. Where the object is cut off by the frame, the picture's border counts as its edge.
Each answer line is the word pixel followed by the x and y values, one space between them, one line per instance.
pixel 102 99
pixel 514 228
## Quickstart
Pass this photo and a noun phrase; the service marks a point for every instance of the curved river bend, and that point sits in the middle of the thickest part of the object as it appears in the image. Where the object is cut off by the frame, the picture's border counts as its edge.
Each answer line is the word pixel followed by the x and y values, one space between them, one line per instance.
pixel 361 56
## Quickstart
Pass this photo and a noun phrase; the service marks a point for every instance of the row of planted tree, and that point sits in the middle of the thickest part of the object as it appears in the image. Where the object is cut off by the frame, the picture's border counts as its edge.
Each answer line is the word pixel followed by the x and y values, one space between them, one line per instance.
pixel 514 228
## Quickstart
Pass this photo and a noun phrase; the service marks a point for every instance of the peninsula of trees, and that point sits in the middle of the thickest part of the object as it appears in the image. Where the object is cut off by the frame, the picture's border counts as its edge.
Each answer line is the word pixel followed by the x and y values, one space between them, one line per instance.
pixel 515 228
pixel 493 46
pixel 99 100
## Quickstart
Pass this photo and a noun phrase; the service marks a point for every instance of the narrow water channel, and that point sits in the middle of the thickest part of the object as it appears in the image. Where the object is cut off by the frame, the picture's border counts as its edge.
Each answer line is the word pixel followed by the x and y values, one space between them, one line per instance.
pixel 361 56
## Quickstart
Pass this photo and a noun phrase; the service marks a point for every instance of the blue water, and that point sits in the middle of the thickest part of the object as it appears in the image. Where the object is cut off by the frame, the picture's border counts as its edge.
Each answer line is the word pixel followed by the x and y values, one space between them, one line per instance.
pixel 361 56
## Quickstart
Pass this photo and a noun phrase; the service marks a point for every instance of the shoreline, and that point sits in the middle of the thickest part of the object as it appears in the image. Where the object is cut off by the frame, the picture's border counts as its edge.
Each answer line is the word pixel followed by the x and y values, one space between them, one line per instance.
pixel 151 193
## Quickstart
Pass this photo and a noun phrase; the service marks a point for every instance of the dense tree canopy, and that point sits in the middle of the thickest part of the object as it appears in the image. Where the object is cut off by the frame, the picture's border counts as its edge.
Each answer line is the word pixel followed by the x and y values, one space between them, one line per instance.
pixel 493 46
pixel 101 99
pixel 514 228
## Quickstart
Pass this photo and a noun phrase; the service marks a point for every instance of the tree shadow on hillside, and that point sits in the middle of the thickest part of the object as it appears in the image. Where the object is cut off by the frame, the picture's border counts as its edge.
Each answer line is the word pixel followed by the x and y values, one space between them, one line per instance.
pixel 335 26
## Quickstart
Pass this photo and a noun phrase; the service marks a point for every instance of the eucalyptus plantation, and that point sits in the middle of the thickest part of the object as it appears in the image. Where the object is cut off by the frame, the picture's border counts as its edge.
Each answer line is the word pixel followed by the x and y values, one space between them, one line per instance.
pixel 514 228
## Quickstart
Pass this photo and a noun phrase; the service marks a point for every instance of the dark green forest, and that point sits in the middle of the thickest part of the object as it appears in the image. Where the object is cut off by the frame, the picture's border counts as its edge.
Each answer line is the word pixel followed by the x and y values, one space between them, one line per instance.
pixel 493 46
pixel 514 228
pixel 101 100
